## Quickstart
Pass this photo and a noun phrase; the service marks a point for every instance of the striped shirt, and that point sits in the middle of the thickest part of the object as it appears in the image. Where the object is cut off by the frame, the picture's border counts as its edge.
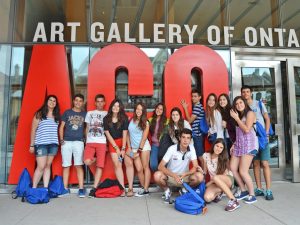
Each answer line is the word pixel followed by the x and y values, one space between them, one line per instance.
pixel 46 132
pixel 198 111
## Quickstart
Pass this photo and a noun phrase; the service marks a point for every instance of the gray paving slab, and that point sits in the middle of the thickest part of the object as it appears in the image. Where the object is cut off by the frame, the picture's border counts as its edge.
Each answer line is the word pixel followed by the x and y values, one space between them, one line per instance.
pixel 151 210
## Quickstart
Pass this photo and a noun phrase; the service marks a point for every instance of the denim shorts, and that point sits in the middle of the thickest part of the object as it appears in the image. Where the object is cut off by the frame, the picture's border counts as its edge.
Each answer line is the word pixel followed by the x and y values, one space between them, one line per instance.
pixel 45 150
pixel 263 154
pixel 253 152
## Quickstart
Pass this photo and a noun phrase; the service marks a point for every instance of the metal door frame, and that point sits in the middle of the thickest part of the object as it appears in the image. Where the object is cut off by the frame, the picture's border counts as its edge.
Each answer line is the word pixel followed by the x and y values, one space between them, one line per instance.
pixel 294 128
pixel 257 61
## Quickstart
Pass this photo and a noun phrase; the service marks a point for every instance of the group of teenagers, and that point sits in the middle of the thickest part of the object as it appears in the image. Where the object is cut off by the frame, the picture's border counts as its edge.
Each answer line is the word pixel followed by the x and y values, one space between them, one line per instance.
pixel 85 137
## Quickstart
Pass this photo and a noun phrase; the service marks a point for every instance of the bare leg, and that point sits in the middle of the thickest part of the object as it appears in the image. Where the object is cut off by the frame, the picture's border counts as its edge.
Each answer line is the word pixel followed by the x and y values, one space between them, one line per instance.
pixel 145 157
pixel 224 183
pixel 129 171
pixel 160 179
pixel 47 171
pixel 80 176
pixel 39 171
pixel 234 167
pixel 66 173
pixel 211 192
pixel 118 168
pixel 244 166
pixel 267 173
pixel 139 170
pixel 97 176
pixel 257 176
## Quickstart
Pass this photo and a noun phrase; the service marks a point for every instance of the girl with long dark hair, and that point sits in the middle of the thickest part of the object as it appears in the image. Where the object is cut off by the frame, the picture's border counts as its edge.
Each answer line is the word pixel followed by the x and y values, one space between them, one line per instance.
pixel 216 163
pixel 116 129
pixel 158 123
pixel 139 148
pixel 44 138
pixel 228 122
pixel 176 124
pixel 244 148
pixel 214 118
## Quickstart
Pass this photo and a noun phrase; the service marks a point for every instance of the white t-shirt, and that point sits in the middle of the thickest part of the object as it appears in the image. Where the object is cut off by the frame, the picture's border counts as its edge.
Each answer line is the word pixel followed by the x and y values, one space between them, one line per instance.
pixel 178 162
pixel 95 133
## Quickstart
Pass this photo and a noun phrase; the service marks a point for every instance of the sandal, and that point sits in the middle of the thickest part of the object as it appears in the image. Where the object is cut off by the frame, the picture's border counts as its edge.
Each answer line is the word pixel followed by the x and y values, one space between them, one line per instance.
pixel 123 194
pixel 130 192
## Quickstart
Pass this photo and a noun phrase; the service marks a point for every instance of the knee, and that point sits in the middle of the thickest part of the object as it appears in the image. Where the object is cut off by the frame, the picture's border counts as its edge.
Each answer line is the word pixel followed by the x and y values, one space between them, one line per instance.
pixel 157 176
pixel 139 170
pixel 216 178
pixel 41 168
pixel 88 162
pixel 265 164
pixel 198 177
pixel 256 163
pixel 208 196
pixel 146 167
pixel 244 173
pixel 48 165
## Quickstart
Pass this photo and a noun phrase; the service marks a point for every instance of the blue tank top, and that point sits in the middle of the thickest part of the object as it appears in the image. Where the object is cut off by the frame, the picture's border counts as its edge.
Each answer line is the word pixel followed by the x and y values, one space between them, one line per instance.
pixel 46 132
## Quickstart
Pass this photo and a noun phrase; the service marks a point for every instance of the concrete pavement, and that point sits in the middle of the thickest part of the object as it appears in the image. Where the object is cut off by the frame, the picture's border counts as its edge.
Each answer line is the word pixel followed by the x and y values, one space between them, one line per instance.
pixel 151 210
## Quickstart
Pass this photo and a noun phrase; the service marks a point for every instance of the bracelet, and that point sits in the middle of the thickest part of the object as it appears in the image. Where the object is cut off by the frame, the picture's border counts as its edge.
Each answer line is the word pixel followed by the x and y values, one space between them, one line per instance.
pixel 31 146
pixel 123 148
pixel 62 141
pixel 115 147
pixel 140 149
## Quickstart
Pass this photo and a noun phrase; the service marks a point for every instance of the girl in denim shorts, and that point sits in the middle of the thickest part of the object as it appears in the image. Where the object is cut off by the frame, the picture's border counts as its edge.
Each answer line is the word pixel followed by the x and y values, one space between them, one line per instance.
pixel 44 139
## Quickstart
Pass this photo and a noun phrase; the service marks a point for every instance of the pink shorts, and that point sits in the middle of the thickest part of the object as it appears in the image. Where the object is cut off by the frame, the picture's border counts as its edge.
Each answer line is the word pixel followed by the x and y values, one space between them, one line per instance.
pixel 97 150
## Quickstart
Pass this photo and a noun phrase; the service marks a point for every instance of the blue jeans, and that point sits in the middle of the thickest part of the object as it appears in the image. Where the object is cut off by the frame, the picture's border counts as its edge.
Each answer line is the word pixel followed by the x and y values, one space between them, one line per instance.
pixel 154 158
pixel 198 144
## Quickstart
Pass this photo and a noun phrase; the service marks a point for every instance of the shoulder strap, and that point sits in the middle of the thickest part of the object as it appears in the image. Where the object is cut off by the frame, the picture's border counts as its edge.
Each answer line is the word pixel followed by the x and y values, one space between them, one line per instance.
pixel 260 107
pixel 187 187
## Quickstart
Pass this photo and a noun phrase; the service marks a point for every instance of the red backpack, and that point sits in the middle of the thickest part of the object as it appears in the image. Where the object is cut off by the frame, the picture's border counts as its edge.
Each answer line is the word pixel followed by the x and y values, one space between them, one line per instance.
pixel 109 189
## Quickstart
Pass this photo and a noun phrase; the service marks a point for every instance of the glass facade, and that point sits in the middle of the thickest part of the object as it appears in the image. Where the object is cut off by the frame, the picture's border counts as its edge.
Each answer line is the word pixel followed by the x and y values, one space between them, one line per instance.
pixel 19 21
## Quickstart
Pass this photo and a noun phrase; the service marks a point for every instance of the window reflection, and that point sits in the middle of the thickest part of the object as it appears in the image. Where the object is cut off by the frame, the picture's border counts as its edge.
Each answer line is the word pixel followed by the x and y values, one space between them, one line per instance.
pixel 5 51
pixel 5 6
pixel 262 80
pixel 79 72
pixel 30 12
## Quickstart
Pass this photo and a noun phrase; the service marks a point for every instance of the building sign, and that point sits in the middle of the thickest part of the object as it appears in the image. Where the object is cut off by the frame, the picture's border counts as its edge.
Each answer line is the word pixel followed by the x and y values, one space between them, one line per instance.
pixel 175 32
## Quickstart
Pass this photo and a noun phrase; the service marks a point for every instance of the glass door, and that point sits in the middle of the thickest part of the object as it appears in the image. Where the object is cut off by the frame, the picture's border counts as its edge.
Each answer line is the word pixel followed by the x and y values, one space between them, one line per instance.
pixel 293 72
pixel 265 79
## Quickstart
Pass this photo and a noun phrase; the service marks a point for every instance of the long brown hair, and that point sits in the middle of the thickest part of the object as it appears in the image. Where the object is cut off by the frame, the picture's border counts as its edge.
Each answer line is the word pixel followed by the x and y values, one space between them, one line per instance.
pixel 225 112
pixel 180 124
pixel 222 157
pixel 121 114
pixel 246 110
pixel 162 120
pixel 143 120
pixel 210 117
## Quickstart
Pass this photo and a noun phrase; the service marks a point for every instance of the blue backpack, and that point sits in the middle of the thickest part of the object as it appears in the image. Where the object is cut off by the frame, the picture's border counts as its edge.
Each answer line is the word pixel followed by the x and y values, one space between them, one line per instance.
pixel 37 195
pixel 24 184
pixel 261 135
pixel 191 202
pixel 56 187
pixel 271 131
pixel 203 125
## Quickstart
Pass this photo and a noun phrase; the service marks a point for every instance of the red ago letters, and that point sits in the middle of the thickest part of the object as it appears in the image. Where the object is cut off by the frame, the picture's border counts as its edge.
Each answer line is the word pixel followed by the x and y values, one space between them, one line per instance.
pixel 50 62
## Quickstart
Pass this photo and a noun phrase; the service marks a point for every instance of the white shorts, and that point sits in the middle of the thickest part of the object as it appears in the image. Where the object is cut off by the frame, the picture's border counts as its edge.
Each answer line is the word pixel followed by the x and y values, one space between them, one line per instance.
pixel 70 148
pixel 147 147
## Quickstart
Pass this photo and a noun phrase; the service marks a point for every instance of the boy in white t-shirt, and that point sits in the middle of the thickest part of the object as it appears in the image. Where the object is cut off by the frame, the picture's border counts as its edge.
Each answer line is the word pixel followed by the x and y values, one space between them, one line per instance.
pixel 95 149
pixel 173 170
